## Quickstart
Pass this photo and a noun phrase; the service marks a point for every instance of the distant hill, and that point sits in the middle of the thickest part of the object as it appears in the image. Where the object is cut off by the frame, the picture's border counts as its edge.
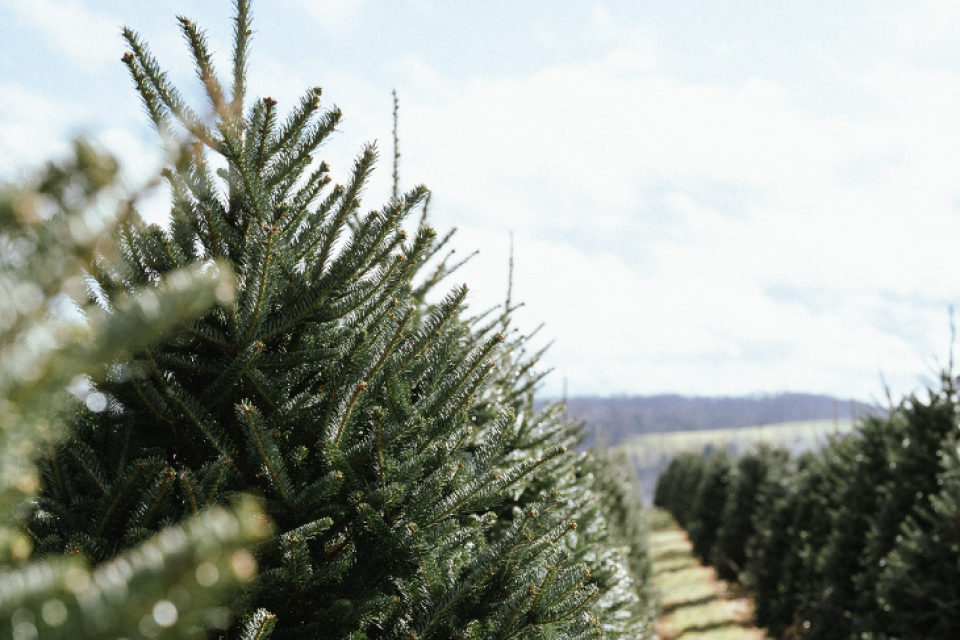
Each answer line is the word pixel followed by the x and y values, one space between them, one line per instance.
pixel 620 418
pixel 652 452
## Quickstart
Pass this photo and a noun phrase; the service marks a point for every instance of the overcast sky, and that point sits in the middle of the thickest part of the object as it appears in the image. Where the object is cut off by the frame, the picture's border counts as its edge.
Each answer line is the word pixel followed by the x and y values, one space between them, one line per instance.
pixel 705 198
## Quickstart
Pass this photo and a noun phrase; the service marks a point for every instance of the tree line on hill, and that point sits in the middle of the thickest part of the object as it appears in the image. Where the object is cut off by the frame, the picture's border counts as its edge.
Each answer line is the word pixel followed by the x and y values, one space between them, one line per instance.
pixel 614 420
pixel 283 432
pixel 859 540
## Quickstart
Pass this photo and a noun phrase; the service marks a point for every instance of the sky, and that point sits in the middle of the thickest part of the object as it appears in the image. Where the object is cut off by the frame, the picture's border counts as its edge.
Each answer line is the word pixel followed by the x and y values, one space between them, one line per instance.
pixel 704 198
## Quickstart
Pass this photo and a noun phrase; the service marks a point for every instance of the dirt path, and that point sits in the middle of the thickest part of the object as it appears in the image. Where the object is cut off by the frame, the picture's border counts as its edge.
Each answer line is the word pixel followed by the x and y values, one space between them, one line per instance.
pixel 696 605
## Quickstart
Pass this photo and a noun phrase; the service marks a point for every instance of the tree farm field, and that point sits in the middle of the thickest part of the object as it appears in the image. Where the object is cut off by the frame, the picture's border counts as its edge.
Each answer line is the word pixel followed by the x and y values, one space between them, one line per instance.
pixel 694 602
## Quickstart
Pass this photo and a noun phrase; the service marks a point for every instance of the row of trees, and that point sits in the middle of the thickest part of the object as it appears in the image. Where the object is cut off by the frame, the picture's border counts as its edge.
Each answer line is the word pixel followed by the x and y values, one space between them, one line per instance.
pixel 858 540
pixel 280 352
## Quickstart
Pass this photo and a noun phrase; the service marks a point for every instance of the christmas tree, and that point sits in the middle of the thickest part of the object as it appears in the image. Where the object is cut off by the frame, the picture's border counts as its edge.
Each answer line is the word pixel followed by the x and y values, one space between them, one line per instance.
pixel 863 466
pixel 857 528
pixel 916 462
pixel 171 585
pixel 747 497
pixel 926 603
pixel 783 569
pixel 677 486
pixel 708 504
pixel 858 540
pixel 392 440
pixel 771 544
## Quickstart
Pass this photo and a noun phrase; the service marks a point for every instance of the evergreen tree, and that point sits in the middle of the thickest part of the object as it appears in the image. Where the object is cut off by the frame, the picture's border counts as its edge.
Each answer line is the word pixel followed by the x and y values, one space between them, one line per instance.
pixel 677 486
pixel 819 563
pixel 170 585
pixel 915 464
pixel 709 503
pixel 772 542
pixel 844 543
pixel 784 571
pixel 881 474
pixel 736 532
pixel 414 491
pixel 863 463
pixel 820 608
pixel 919 585
pixel 618 493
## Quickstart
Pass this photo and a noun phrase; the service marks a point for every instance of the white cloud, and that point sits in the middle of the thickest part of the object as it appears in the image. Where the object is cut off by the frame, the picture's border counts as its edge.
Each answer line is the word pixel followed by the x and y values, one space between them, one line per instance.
pixel 919 26
pixel 31 130
pixel 653 218
pixel 84 37
pixel 140 166
pixel 619 36
pixel 333 15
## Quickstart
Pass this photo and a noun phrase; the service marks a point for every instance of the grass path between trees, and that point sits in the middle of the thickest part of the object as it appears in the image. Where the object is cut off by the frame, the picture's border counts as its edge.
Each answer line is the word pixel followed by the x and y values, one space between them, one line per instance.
pixel 695 603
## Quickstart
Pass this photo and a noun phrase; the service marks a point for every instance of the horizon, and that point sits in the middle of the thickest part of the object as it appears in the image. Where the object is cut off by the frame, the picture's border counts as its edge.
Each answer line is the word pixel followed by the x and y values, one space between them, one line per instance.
pixel 745 396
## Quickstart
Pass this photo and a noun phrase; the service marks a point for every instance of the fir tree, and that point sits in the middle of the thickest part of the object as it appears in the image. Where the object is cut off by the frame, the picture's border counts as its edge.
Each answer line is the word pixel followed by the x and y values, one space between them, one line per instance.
pixel 915 463
pixel 771 543
pixel 677 486
pixel 820 557
pixel 925 603
pixel 820 607
pixel 737 523
pixel 708 505
pixel 170 585
pixel 784 573
pixel 629 568
pixel 855 541
pixel 862 464
pixel 414 491
pixel 880 476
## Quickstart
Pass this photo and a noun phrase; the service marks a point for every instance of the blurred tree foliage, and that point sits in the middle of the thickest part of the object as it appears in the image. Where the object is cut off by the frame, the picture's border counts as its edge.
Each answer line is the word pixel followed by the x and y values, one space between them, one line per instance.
pixel 51 231
pixel 857 541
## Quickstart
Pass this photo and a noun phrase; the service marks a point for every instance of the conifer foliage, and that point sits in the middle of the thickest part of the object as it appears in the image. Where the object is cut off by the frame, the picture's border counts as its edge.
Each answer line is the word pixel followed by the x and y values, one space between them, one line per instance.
pixel 413 489
pixel 170 585
pixel 708 503
pixel 858 540
pixel 747 497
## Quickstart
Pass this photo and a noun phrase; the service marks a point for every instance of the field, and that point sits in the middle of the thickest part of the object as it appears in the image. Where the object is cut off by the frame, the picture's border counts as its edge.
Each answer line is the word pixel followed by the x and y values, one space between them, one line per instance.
pixel 695 604
pixel 651 453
